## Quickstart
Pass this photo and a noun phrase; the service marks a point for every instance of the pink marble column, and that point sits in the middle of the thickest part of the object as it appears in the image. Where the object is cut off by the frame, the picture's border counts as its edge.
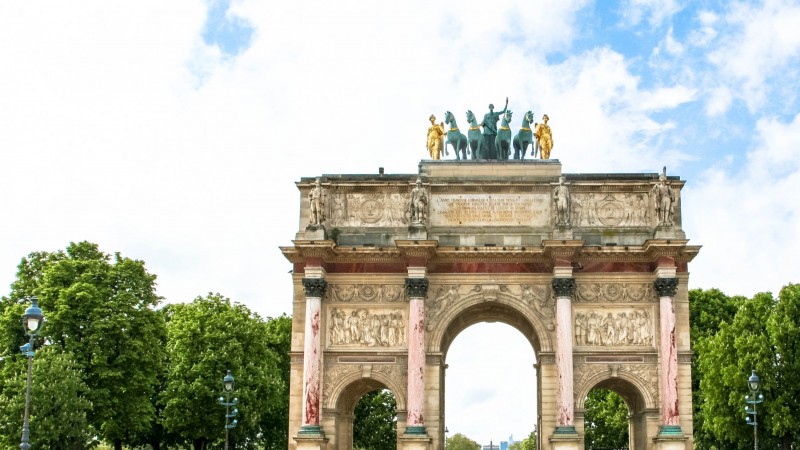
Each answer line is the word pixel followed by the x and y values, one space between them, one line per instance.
pixel 564 288
pixel 315 289
pixel 668 355
pixel 416 289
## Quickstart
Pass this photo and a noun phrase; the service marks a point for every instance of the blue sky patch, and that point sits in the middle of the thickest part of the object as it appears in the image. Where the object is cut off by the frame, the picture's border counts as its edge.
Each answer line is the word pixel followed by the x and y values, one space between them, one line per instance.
pixel 231 33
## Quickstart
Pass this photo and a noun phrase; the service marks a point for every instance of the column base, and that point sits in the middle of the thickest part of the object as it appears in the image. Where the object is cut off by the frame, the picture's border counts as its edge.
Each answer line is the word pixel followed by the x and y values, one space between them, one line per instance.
pixel 311 437
pixel 565 438
pixel 670 437
pixel 414 441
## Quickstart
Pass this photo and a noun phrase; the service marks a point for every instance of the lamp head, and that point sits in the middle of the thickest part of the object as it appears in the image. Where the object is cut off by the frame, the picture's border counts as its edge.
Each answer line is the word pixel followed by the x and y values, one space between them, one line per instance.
pixel 754 382
pixel 227 382
pixel 33 317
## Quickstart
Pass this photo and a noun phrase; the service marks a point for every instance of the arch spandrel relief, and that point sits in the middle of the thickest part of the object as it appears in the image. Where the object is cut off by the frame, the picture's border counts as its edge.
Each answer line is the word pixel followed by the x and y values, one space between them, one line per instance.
pixel 610 328
pixel 338 376
pixel 643 376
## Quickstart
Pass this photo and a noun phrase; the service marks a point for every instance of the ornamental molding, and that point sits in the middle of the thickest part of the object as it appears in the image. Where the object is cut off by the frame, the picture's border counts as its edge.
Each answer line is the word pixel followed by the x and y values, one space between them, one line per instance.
pixel 643 376
pixel 337 376
pixel 364 293
pixel 615 293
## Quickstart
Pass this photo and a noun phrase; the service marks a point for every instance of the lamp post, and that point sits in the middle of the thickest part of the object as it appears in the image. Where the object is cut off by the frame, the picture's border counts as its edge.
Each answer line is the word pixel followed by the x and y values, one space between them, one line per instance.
pixel 227 390
pixel 31 321
pixel 754 384
pixel 445 436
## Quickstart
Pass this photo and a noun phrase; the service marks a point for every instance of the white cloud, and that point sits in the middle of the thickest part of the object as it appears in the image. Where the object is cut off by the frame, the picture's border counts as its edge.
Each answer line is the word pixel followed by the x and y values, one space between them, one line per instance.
pixel 655 12
pixel 747 221
pixel 759 43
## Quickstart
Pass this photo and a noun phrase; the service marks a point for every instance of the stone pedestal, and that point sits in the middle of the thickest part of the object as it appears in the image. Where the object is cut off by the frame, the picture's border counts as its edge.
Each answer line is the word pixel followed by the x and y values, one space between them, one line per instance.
pixel 562 233
pixel 665 232
pixel 311 442
pixel 414 442
pixel 670 438
pixel 315 233
pixel 417 231
pixel 565 438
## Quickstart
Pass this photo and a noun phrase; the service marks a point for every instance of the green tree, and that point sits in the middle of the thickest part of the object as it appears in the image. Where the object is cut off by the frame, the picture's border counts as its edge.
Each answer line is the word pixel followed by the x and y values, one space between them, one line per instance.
pixel 100 310
pixel 375 424
pixel 59 406
pixel 275 421
pixel 708 310
pixel 763 336
pixel 206 338
pixel 529 443
pixel 460 442
pixel 605 420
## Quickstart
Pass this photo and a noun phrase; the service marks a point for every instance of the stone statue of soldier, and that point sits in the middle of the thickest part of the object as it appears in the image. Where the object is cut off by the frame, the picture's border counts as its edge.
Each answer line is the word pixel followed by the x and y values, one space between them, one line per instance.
pixel 489 125
pixel 316 199
pixel 562 202
pixel 664 200
pixel 418 204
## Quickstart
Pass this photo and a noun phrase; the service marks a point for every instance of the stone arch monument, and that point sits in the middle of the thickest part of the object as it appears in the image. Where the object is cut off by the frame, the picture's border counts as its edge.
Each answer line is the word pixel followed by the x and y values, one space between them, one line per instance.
pixel 591 268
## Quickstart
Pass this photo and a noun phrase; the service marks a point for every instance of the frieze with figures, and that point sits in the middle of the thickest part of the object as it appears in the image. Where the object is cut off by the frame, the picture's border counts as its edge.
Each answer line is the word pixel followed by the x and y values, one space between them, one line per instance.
pixel 362 327
pixel 629 209
pixel 380 209
pixel 364 293
pixel 539 298
pixel 614 327
pixel 615 292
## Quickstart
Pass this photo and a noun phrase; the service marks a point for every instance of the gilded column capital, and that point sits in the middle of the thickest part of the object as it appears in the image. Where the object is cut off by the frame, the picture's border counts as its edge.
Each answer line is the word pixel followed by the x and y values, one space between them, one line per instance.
pixel 666 287
pixel 416 287
pixel 315 287
pixel 564 286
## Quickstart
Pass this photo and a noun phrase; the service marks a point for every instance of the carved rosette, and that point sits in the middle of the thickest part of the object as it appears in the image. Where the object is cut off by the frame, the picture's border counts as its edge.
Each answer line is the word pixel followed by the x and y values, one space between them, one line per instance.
pixel 564 287
pixel 666 287
pixel 416 287
pixel 315 287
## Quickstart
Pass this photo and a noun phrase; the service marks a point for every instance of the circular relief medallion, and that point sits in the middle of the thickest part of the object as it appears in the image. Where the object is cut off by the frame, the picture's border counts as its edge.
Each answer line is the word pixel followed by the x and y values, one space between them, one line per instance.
pixel 610 213
pixel 370 211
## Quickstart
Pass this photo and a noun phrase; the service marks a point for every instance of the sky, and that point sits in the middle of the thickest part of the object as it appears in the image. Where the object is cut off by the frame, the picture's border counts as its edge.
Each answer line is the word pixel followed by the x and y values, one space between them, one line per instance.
pixel 173 132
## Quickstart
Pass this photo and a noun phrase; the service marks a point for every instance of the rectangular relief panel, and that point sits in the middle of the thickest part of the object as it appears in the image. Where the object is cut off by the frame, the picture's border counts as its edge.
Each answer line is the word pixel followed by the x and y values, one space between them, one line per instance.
pixel 368 328
pixel 614 328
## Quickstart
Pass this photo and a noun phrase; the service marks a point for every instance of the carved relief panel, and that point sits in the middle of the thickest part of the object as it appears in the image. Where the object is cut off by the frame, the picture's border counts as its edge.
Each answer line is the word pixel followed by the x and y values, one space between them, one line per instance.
pixel 629 209
pixel 364 293
pixel 614 327
pixel 351 328
pixel 379 209
pixel 615 292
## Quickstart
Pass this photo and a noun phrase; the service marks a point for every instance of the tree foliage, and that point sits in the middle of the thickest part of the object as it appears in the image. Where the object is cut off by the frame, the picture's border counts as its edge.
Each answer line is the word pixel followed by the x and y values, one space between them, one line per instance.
pixel 100 311
pixel 59 406
pixel 460 442
pixel 763 336
pixel 529 443
pixel 206 338
pixel 605 420
pixel 375 424
pixel 708 310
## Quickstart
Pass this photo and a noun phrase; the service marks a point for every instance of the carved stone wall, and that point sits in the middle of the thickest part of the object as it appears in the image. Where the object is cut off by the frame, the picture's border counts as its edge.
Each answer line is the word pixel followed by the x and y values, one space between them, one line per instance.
pixel 374 209
pixel 364 293
pixel 611 327
pixel 366 327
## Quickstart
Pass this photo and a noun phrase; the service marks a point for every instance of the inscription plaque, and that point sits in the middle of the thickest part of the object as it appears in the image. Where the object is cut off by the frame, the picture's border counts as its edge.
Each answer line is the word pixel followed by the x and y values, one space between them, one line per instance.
pixel 491 209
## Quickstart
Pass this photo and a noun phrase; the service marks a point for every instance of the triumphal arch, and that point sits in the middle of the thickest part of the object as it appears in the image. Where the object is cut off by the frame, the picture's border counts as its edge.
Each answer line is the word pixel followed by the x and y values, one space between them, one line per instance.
pixel 390 268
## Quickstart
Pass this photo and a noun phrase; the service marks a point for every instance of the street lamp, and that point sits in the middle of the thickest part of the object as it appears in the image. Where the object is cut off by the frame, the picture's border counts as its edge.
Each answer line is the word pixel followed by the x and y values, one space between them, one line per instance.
pixel 754 384
pixel 227 390
pixel 445 436
pixel 31 322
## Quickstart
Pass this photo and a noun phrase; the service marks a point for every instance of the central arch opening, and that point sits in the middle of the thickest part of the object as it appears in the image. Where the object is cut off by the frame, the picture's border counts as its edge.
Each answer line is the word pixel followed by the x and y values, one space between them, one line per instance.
pixel 491 384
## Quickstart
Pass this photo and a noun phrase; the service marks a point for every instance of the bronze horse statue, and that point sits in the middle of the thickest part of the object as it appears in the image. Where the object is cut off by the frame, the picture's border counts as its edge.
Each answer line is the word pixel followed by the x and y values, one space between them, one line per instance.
pixel 524 137
pixel 474 136
pixel 503 139
pixel 455 137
